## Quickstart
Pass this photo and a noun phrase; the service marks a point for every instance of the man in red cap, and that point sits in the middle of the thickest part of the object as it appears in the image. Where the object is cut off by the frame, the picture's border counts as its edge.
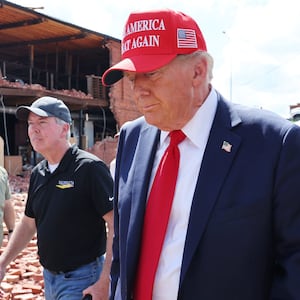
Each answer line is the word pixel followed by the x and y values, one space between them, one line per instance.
pixel 233 230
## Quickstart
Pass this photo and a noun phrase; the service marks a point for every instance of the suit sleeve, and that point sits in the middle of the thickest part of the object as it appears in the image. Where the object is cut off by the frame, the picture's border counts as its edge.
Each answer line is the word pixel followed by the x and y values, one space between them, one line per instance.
pixel 286 209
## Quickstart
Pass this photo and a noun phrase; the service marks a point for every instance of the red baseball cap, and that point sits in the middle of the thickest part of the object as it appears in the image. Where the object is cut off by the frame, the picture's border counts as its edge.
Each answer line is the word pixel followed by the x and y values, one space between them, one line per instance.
pixel 151 39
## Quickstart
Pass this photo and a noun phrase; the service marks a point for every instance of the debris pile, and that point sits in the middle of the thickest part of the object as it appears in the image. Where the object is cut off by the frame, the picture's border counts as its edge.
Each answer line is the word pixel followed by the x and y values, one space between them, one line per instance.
pixel 24 278
pixel 19 84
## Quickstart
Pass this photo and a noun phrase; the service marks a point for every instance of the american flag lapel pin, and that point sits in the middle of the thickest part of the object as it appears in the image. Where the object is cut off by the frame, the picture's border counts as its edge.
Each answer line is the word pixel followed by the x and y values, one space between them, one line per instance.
pixel 226 146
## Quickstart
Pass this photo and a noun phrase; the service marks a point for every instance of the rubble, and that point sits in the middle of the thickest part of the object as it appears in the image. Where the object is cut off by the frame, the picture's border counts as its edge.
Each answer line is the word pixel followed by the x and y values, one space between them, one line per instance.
pixel 24 276
pixel 21 85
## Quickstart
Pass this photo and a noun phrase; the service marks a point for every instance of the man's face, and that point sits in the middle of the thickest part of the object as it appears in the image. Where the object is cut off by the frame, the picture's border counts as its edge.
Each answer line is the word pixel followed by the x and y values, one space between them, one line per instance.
pixel 45 133
pixel 166 97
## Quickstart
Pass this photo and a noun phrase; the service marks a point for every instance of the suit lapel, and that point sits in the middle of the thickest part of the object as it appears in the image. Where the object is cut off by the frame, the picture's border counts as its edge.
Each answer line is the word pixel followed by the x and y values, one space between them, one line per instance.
pixel 215 166
pixel 145 154
pixel 143 161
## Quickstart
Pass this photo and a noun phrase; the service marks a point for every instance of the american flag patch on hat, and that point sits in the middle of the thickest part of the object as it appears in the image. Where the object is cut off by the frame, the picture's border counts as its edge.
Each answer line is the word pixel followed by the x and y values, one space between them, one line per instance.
pixel 186 38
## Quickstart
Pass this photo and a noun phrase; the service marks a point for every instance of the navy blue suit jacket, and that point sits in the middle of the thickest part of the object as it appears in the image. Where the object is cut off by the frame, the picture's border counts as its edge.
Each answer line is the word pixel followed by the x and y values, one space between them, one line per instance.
pixel 243 237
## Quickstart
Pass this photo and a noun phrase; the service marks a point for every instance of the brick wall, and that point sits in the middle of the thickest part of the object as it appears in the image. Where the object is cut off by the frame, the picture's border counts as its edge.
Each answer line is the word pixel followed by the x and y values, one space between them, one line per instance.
pixel 105 149
pixel 123 107
pixel 122 104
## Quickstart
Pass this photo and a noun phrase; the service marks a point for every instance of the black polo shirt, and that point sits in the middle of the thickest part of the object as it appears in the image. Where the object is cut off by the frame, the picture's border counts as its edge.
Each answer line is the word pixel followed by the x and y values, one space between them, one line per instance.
pixel 68 206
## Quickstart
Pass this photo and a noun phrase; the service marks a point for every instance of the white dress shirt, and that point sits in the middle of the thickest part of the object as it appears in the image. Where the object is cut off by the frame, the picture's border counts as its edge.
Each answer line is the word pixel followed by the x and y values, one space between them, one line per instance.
pixel 191 154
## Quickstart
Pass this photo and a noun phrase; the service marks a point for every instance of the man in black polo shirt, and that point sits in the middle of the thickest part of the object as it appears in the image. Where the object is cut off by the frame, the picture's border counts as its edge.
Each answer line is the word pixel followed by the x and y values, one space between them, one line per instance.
pixel 69 206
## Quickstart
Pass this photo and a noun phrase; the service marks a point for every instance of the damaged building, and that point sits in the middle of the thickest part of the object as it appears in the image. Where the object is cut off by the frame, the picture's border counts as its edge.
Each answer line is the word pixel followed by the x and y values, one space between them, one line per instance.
pixel 44 56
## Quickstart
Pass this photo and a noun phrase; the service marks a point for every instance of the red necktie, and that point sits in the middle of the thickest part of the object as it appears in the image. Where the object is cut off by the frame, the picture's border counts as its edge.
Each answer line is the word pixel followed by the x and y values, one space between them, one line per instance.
pixel 157 217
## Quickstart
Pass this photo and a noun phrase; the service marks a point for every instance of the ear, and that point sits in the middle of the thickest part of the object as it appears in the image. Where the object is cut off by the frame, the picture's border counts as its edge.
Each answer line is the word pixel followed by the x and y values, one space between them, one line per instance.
pixel 65 129
pixel 200 70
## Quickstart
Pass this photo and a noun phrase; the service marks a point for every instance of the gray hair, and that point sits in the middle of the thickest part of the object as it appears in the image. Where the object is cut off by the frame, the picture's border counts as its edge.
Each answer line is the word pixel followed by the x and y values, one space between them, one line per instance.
pixel 209 59
pixel 62 122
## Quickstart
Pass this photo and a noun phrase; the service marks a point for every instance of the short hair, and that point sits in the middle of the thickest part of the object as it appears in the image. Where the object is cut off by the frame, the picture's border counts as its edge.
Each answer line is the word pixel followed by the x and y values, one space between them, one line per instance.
pixel 207 57
pixel 62 122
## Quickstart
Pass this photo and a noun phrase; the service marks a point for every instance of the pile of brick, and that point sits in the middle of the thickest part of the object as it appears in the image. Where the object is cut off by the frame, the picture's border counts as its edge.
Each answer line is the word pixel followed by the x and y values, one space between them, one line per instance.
pixel 23 279
pixel 21 85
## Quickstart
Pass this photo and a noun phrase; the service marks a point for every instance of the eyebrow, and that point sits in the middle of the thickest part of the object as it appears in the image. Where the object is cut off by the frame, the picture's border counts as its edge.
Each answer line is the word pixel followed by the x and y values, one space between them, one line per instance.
pixel 39 118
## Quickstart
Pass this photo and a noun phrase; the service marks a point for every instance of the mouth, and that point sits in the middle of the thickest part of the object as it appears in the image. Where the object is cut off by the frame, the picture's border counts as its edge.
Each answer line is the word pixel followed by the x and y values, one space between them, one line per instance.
pixel 35 140
pixel 150 107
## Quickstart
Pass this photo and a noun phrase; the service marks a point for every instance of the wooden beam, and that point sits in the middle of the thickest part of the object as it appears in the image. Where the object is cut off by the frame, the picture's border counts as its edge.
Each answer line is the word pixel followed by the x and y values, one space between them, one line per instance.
pixel 17 95
pixel 22 23
pixel 45 41
pixel 31 62
pixel 19 92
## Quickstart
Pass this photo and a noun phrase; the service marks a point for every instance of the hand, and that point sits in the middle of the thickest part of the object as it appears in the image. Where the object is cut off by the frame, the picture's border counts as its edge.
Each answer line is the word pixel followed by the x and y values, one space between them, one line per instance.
pixel 97 291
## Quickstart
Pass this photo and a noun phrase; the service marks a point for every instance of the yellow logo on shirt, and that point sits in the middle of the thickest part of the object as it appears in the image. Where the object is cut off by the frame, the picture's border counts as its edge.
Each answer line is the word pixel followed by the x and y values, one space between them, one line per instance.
pixel 63 184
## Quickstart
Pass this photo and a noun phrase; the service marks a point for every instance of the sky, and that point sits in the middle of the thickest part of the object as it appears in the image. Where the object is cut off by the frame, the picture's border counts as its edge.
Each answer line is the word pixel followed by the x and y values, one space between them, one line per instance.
pixel 255 43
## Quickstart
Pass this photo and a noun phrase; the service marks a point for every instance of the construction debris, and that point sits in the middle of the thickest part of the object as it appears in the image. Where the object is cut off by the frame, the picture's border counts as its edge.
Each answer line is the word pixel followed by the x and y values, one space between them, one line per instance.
pixel 24 276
